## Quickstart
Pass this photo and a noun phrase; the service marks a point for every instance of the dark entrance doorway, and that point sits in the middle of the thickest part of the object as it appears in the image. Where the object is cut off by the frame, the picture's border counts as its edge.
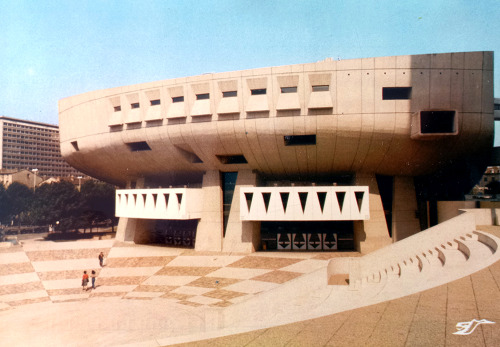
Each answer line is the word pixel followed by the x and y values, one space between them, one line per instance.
pixel 307 236
pixel 177 233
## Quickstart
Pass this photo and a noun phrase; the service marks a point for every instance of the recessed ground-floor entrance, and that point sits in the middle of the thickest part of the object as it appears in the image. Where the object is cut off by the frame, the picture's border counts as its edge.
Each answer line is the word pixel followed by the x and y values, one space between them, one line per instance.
pixel 307 236
pixel 178 233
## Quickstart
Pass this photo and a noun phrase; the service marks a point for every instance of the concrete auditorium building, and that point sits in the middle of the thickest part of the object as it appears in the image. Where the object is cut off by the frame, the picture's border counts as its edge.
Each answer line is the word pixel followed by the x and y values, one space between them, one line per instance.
pixel 334 155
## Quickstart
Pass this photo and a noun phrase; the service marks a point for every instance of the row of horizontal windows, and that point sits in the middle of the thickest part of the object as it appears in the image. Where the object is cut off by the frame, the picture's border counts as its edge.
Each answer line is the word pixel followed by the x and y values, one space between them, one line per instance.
pixel 388 93
pixel 227 94
pixel 13 125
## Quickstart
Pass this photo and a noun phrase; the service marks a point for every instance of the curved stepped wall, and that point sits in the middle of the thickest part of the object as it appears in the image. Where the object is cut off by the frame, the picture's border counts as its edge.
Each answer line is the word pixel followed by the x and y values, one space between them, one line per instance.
pixel 439 255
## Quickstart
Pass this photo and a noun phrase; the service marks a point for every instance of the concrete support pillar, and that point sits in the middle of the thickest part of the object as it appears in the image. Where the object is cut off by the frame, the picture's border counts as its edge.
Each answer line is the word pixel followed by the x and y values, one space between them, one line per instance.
pixel 404 209
pixel 372 234
pixel 209 231
pixel 241 236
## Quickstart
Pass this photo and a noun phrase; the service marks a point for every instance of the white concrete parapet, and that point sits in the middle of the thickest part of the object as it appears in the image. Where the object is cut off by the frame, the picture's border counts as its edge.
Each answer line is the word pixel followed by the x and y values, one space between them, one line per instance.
pixel 316 203
pixel 161 203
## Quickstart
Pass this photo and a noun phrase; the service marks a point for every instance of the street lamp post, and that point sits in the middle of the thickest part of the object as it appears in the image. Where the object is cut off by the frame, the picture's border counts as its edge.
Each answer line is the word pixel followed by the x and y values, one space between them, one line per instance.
pixel 34 179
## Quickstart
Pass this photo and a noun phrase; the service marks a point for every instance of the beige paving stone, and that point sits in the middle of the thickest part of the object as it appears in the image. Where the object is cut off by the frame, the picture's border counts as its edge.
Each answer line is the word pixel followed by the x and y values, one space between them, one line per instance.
pixel 66 254
pixel 204 261
pixel 223 294
pixel 186 271
pixel 66 291
pixel 62 284
pixel 94 294
pixel 69 297
pixel 19 278
pixel 114 289
pixel 112 281
pixel 190 303
pixel 20 296
pixel 20 288
pixel 359 326
pixel 189 290
pixel 29 301
pixel 136 294
pixel 203 300
pixel 15 268
pixel 213 282
pixel 151 288
pixel 129 271
pixel 52 245
pixel 13 258
pixel 143 251
pixel 175 296
pixel 239 273
pixel 280 336
pixel 138 262
pixel 251 287
pixel 64 265
pixel 170 280
pixel 263 263
pixel 277 276
pixel 306 266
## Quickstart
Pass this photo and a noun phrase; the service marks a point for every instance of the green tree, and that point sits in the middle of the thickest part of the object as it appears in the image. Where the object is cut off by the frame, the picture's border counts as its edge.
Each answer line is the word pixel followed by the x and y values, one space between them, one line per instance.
pixel 57 202
pixel 98 201
pixel 4 204
pixel 19 199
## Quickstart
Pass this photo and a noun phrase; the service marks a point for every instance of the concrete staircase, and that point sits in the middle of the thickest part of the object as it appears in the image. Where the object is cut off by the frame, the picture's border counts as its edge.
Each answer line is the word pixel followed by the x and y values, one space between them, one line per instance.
pixel 438 255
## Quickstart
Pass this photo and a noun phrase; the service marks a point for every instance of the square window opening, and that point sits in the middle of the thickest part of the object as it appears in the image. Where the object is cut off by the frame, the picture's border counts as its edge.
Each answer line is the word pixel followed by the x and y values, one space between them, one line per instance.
pixel 138 146
pixel 285 90
pixel 134 105
pixel 117 108
pixel 396 93
pixel 437 122
pixel 230 94
pixel 155 102
pixel 300 140
pixel 204 96
pixel 321 88
pixel 178 99
pixel 259 91
pixel 232 159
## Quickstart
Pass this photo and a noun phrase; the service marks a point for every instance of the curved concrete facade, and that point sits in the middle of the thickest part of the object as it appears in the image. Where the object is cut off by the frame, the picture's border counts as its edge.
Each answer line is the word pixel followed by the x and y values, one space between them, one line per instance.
pixel 401 116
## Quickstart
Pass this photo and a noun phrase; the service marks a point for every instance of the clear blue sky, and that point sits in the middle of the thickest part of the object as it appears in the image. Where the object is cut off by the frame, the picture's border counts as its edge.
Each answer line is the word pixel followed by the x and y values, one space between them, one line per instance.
pixel 57 48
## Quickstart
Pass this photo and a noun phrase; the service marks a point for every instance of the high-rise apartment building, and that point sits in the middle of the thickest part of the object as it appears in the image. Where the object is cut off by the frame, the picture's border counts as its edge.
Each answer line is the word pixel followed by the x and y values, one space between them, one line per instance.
pixel 32 145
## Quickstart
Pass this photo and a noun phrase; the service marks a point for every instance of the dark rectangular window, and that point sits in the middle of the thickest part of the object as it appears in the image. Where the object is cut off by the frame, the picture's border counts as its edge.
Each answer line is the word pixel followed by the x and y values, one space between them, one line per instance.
pixel 138 146
pixel 259 91
pixel 204 96
pixel 288 90
pixel 134 105
pixel 229 94
pixel 232 159
pixel 321 88
pixel 155 102
pixel 117 108
pixel 300 140
pixel 437 122
pixel 396 93
pixel 178 99
pixel 497 107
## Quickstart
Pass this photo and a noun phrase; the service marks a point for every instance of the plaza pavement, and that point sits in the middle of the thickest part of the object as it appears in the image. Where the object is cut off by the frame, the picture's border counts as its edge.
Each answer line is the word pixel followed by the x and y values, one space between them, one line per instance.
pixel 153 296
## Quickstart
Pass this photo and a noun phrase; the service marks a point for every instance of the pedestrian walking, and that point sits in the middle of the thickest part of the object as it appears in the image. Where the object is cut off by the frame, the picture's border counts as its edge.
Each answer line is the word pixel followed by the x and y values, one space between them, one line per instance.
pixel 101 259
pixel 85 280
pixel 92 276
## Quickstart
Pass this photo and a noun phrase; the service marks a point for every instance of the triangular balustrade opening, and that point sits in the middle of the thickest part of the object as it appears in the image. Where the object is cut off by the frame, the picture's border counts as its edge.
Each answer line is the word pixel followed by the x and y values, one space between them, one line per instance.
pixel 267 198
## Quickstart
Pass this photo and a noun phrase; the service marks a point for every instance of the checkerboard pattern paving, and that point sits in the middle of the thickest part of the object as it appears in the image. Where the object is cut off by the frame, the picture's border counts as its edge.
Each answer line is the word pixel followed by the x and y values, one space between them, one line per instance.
pixel 52 271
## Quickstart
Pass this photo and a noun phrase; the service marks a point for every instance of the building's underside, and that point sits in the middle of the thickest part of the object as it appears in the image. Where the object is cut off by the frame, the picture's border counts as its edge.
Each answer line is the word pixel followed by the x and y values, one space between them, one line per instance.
pixel 324 156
